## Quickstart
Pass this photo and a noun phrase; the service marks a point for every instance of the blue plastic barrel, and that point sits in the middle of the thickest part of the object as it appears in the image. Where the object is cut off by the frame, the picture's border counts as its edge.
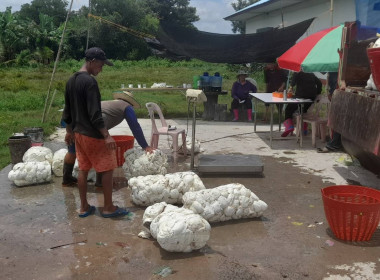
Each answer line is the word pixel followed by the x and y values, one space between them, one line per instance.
pixel 216 82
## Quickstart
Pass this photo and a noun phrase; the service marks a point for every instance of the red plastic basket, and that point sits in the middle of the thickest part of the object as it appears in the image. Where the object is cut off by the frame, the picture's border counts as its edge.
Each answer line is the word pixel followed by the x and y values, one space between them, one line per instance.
pixel 374 62
pixel 123 143
pixel 353 212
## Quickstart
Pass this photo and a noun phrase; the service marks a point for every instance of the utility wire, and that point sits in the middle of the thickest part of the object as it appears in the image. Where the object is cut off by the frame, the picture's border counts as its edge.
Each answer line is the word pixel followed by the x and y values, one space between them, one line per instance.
pixel 123 28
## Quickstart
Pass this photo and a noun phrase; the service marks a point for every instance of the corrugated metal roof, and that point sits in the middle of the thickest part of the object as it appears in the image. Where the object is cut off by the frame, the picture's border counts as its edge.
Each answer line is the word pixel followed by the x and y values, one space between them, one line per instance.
pixel 258 3
pixel 260 7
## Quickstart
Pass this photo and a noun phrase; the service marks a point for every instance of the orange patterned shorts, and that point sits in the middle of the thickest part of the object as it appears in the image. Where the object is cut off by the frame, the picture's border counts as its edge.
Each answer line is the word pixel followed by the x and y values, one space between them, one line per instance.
pixel 92 152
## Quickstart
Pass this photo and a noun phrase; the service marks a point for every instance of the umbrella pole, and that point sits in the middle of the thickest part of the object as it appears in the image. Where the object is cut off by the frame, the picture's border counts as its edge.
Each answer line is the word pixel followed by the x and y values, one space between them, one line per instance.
pixel 283 107
pixel 331 13
pixel 287 82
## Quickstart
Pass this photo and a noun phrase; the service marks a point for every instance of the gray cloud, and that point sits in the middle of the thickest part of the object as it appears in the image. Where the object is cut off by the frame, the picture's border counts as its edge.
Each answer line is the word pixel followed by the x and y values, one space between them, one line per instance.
pixel 211 14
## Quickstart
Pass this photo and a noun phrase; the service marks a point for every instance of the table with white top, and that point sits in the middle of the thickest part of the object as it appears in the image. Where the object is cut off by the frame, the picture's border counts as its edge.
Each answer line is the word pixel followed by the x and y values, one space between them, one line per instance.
pixel 268 98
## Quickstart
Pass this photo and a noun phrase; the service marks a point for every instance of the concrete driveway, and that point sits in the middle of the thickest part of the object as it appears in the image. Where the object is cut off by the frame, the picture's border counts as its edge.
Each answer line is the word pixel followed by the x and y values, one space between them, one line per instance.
pixel 42 237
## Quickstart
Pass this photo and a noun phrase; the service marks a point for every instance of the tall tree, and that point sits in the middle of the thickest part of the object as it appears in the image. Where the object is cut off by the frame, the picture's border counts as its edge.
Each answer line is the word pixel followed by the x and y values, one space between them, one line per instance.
pixel 46 38
pixel 239 26
pixel 53 8
pixel 176 11
pixel 116 42
pixel 12 35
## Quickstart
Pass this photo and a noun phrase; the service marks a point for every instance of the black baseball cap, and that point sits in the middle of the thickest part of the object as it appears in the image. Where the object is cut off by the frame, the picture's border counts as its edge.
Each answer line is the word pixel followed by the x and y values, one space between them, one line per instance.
pixel 97 53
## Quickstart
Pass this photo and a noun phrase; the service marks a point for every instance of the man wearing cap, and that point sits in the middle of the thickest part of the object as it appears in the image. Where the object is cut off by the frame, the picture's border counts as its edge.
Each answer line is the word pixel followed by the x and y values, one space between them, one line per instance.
pixel 240 94
pixel 85 125
pixel 113 112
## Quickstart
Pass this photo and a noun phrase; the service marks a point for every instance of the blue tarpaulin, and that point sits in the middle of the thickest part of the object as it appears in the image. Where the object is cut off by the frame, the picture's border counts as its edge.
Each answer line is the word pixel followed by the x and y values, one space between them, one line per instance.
pixel 368 17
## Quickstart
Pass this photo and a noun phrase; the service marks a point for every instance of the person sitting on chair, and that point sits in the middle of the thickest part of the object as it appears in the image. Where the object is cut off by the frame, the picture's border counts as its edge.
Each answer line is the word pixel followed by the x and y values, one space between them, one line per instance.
pixel 335 144
pixel 307 86
pixel 240 94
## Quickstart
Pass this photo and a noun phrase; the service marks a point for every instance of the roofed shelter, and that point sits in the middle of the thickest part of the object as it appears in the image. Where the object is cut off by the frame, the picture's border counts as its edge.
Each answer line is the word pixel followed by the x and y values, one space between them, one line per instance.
pixel 267 14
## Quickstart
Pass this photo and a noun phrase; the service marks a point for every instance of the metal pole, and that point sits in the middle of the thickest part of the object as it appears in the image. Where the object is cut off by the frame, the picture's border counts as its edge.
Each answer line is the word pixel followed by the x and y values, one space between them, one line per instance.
pixel 271 125
pixel 331 13
pixel 282 15
pixel 193 137
pixel 255 116
pixel 301 125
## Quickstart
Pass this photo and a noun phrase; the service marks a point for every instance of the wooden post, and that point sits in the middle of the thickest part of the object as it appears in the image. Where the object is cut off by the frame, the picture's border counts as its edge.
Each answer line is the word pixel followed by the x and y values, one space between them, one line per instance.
pixel 56 62
pixel 51 102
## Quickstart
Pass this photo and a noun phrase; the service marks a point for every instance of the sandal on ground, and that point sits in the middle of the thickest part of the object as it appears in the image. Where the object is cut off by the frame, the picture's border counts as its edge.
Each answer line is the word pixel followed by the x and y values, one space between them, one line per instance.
pixel 118 213
pixel 90 210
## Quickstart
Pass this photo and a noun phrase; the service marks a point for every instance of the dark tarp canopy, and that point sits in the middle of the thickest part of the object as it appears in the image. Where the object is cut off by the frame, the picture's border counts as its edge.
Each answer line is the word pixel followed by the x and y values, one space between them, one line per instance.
pixel 223 48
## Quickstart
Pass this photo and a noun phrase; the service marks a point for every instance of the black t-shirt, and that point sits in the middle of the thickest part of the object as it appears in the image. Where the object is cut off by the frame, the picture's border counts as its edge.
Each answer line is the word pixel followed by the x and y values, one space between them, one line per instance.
pixel 274 79
pixel 307 85
pixel 82 105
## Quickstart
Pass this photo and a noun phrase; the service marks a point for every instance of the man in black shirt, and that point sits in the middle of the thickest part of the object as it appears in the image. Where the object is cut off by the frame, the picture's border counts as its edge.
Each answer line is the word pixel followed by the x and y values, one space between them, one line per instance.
pixel 308 86
pixel 275 80
pixel 85 125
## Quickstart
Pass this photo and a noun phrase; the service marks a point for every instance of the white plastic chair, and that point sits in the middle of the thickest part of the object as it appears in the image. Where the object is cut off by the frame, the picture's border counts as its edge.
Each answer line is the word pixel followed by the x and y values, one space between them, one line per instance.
pixel 317 116
pixel 164 129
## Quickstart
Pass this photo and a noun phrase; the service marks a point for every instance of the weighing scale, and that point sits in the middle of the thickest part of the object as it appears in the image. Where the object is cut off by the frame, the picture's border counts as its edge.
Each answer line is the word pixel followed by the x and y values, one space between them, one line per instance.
pixel 225 164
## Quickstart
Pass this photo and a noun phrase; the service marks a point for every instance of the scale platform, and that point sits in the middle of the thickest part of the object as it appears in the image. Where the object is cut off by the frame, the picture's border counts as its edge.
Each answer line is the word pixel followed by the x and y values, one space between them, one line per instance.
pixel 227 164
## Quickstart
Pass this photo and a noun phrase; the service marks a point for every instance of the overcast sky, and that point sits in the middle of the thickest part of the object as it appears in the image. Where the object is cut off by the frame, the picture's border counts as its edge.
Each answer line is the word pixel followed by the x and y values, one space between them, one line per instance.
pixel 210 12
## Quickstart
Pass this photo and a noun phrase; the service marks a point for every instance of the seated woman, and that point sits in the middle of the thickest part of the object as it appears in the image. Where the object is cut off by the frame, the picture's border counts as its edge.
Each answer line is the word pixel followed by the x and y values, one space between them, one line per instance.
pixel 240 94
pixel 308 86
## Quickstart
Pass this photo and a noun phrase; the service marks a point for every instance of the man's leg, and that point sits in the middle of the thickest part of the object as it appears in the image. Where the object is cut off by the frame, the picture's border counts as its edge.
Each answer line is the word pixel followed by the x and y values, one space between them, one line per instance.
pixel 235 109
pixel 288 123
pixel 82 186
pixel 335 143
pixel 248 105
pixel 107 182
pixel 68 165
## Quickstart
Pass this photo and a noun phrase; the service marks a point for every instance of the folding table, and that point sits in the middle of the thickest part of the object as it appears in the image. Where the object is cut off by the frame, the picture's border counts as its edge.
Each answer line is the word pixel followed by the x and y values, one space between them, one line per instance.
pixel 268 98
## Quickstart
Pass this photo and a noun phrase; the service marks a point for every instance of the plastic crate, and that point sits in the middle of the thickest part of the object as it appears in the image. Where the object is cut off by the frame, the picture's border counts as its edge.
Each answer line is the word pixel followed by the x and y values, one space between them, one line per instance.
pixel 374 62
pixel 353 212
pixel 123 143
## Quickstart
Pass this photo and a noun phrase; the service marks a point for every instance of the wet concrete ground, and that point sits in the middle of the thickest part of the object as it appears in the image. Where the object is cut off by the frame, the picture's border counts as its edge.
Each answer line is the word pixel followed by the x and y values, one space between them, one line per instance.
pixel 42 236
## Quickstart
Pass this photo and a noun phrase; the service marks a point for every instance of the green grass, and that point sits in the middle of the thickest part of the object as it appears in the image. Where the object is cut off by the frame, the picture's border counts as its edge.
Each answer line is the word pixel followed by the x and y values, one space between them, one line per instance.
pixel 23 91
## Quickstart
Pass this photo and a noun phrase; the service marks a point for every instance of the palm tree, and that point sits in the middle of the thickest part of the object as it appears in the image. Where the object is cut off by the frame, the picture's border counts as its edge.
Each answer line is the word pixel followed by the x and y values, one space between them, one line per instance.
pixel 11 35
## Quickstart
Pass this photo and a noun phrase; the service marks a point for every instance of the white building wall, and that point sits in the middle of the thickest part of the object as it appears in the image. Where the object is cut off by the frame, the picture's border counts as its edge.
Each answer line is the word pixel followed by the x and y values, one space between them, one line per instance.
pixel 344 10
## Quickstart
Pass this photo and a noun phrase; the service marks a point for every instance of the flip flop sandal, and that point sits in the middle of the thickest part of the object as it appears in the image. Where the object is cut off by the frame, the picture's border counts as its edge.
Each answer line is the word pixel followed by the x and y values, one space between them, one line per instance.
pixel 323 150
pixel 118 213
pixel 90 211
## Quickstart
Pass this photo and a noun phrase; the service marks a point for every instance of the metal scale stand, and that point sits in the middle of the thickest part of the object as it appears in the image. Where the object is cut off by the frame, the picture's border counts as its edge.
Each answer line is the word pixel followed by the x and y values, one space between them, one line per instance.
pixel 194 96
pixel 221 164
